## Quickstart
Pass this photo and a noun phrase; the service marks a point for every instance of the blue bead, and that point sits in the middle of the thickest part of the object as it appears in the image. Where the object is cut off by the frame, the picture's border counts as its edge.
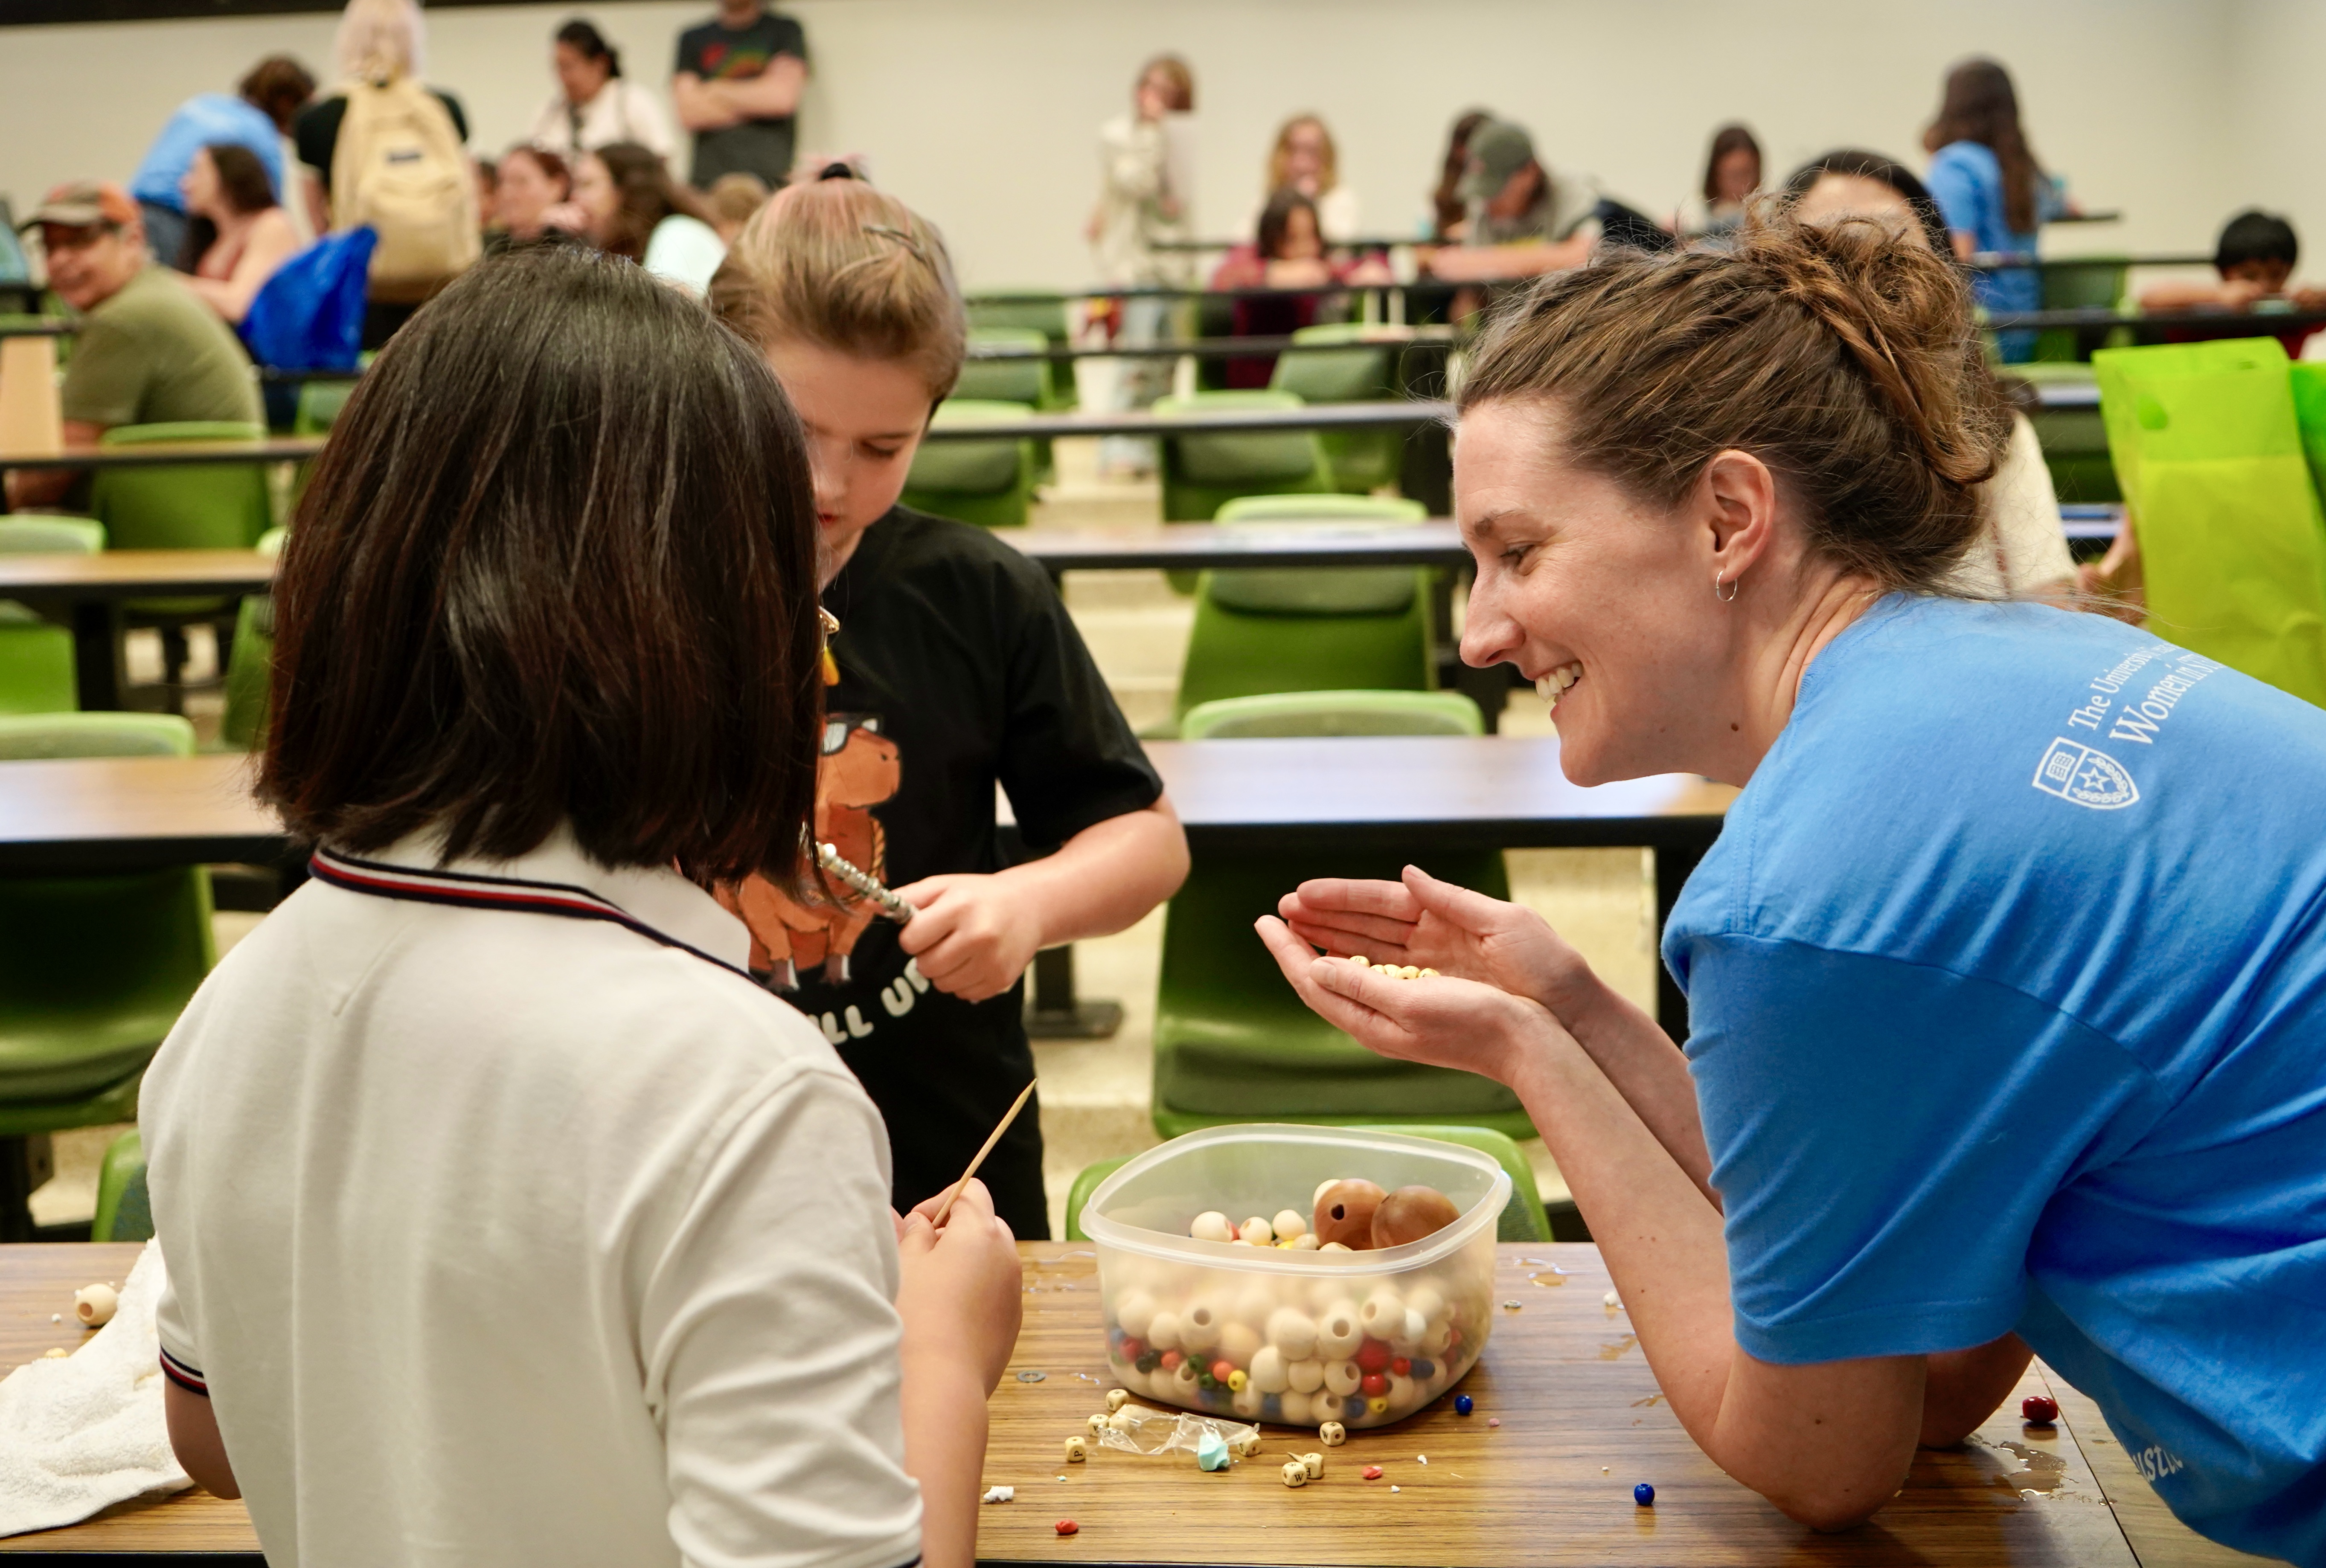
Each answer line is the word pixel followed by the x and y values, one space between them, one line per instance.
pixel 1271 1408
pixel 1425 1368
pixel 1644 1495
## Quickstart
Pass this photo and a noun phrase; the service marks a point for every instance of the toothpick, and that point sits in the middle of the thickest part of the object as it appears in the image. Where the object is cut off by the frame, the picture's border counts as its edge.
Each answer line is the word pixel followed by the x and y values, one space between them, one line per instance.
pixel 1016 1106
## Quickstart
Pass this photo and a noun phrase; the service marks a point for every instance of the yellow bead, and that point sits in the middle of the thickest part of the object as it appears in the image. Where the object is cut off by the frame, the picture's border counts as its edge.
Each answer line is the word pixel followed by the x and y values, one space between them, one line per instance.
pixel 1237 1379
pixel 1378 1403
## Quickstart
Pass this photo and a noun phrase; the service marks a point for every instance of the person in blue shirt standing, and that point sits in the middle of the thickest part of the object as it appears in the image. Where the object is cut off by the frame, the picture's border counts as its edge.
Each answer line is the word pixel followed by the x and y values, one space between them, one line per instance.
pixel 2007 974
pixel 1991 190
pixel 258 116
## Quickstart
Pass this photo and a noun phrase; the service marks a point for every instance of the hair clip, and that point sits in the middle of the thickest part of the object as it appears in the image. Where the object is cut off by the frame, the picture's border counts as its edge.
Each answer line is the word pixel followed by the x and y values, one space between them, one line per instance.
pixel 837 170
pixel 901 238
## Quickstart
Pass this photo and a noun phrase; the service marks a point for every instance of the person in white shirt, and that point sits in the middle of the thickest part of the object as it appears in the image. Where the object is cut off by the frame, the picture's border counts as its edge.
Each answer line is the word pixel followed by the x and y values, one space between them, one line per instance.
pixel 1305 159
pixel 596 105
pixel 631 206
pixel 506 1219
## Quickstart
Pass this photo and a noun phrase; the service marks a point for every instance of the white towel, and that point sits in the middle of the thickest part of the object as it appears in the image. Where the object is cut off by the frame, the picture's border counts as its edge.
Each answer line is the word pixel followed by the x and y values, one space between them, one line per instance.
pixel 83 1433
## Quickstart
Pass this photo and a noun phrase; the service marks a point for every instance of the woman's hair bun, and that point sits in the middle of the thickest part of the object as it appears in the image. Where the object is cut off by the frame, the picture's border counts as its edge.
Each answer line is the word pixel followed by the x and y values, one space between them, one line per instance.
pixel 1843 356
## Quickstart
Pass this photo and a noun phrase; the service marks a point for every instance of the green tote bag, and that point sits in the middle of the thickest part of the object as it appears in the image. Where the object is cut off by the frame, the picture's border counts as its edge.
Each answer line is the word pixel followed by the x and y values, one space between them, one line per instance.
pixel 2232 541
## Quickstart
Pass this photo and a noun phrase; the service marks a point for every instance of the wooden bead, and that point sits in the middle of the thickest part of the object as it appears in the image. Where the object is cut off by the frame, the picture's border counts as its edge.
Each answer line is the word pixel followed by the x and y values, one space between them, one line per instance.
pixel 95 1304
pixel 1116 1398
pixel 1345 1213
pixel 1077 1449
pixel 1296 1474
pixel 1211 1227
pixel 1332 1434
pixel 1314 1464
pixel 1411 1213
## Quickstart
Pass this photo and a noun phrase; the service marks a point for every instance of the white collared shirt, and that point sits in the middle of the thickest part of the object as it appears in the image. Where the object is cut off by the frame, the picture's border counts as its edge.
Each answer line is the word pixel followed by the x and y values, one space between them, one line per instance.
pixel 623 111
pixel 505 1237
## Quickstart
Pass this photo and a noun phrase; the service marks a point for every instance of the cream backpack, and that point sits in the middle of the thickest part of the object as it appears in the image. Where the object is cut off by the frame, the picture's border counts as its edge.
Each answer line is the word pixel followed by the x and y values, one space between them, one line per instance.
pixel 399 168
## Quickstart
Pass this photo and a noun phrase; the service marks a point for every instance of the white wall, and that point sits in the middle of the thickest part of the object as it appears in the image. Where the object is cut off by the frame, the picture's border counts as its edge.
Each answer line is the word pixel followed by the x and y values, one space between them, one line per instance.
pixel 982 113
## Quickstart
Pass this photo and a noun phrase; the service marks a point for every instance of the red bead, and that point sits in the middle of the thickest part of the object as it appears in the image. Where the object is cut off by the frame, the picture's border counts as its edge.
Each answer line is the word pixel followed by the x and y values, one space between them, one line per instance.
pixel 1372 1356
pixel 1402 1367
pixel 1452 1338
pixel 1373 1383
pixel 1171 1359
pixel 1373 1473
pixel 1067 1527
pixel 1222 1370
pixel 1132 1349
pixel 2039 1409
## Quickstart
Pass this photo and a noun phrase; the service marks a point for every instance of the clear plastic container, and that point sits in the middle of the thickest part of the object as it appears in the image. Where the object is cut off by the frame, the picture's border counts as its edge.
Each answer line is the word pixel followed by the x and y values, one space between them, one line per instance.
pixel 1360 1338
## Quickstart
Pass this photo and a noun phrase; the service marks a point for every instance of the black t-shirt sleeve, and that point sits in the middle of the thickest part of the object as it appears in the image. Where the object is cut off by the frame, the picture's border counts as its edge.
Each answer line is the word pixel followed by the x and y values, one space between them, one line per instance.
pixel 690 51
pixel 1067 758
pixel 790 37
pixel 316 133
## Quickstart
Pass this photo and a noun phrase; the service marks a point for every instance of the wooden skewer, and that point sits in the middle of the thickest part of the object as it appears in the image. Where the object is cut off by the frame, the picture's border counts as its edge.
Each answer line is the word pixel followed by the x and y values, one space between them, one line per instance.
pixel 1016 1106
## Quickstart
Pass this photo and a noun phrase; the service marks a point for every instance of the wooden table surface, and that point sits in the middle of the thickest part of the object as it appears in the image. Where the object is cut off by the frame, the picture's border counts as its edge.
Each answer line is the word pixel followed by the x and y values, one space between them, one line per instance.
pixel 1562 1373
pixel 1192 546
pixel 1386 414
pixel 121 574
pixel 283 449
pixel 123 814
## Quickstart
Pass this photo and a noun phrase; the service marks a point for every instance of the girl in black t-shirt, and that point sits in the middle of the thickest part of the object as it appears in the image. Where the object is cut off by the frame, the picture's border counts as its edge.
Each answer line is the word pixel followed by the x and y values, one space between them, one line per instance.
pixel 957 668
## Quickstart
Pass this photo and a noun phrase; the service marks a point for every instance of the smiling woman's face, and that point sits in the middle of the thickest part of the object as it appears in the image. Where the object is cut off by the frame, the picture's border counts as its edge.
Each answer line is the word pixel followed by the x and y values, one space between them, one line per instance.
pixel 1587 588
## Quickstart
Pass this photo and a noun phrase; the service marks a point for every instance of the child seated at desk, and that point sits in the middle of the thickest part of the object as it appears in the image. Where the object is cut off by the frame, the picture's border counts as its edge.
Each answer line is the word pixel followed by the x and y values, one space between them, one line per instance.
pixel 1288 252
pixel 2255 258
pixel 508 1220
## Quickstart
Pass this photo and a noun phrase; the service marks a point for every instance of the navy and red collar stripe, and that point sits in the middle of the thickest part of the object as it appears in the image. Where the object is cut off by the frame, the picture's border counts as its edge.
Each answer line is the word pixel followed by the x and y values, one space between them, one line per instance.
pixel 510 894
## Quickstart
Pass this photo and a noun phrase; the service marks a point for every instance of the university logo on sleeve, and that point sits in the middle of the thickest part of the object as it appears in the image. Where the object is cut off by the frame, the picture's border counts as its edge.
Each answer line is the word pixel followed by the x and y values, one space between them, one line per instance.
pixel 2078 774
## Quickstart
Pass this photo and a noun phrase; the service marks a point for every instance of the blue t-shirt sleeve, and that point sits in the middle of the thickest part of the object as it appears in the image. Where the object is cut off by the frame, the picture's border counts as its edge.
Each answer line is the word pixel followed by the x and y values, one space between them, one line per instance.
pixel 1955 186
pixel 1884 1136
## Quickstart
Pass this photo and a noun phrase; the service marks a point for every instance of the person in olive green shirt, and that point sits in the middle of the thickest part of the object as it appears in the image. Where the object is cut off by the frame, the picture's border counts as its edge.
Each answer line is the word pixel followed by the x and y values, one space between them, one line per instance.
pixel 148 350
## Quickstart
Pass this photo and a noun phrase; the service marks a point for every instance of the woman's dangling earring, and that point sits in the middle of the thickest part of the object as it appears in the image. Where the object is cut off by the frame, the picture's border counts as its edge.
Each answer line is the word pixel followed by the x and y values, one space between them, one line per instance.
pixel 1734 588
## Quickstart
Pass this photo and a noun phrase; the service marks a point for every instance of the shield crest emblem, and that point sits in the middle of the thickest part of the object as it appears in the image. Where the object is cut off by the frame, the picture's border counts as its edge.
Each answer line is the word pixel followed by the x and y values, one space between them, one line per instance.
pixel 2078 774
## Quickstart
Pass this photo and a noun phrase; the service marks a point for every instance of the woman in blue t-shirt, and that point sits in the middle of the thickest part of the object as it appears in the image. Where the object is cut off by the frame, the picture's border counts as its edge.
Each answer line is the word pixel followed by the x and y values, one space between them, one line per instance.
pixel 2008 975
pixel 1991 190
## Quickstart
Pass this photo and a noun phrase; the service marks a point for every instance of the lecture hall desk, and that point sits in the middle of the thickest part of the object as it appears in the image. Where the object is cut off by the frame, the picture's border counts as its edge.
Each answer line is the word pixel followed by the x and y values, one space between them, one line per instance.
pixel 1562 1373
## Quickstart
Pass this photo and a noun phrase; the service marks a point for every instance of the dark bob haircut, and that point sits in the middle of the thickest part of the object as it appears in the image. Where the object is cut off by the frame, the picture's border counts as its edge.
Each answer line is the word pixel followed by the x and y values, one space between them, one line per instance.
pixel 2255 236
pixel 558 564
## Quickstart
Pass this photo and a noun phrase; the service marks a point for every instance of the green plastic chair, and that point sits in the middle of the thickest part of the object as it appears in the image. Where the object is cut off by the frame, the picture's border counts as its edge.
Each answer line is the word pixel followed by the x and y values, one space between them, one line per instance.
pixel 1027 381
pixel 1312 589
pixel 182 506
pixel 1234 1042
pixel 1522 1219
pixel 1331 713
pixel 2082 284
pixel 1360 460
pixel 1202 472
pixel 1045 315
pixel 125 1208
pixel 251 663
pixel 94 970
pixel 988 483
pixel 37 674
pixel 319 403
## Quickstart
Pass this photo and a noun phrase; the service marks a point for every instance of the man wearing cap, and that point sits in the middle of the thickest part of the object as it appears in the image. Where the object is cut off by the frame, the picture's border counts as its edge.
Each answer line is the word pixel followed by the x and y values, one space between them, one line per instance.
pixel 147 350
pixel 1523 218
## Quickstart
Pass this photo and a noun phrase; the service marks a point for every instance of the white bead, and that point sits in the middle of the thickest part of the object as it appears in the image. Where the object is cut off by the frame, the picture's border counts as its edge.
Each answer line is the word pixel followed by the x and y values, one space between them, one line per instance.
pixel 1294 1405
pixel 1296 1474
pixel 1256 1230
pixel 1212 1226
pixel 1328 1180
pixel 1332 1434
pixel 1338 1331
pixel 1270 1374
pixel 1116 1398
pixel 1290 1224
pixel 1245 1402
pixel 1163 1330
pixel 1440 1336
pixel 1305 1242
pixel 1239 1343
pixel 1336 1247
pixel 1183 1382
pixel 1292 1332
pixel 1383 1314
pixel 1134 1309
pixel 1199 1325
pixel 1122 1421
pixel 1307 1375
pixel 1342 1378
pixel 95 1304
pixel 1254 1302
pixel 1422 1298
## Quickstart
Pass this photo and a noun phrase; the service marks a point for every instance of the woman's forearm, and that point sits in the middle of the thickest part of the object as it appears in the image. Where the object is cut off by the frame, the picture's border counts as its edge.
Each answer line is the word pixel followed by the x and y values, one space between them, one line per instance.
pixel 944 1451
pixel 1828 1443
pixel 1651 1073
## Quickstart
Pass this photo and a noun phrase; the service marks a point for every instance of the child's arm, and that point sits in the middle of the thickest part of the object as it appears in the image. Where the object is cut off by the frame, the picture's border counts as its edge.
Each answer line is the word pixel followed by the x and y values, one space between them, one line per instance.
pixel 975 934
pixel 961 1304
pixel 2191 294
pixel 194 1439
